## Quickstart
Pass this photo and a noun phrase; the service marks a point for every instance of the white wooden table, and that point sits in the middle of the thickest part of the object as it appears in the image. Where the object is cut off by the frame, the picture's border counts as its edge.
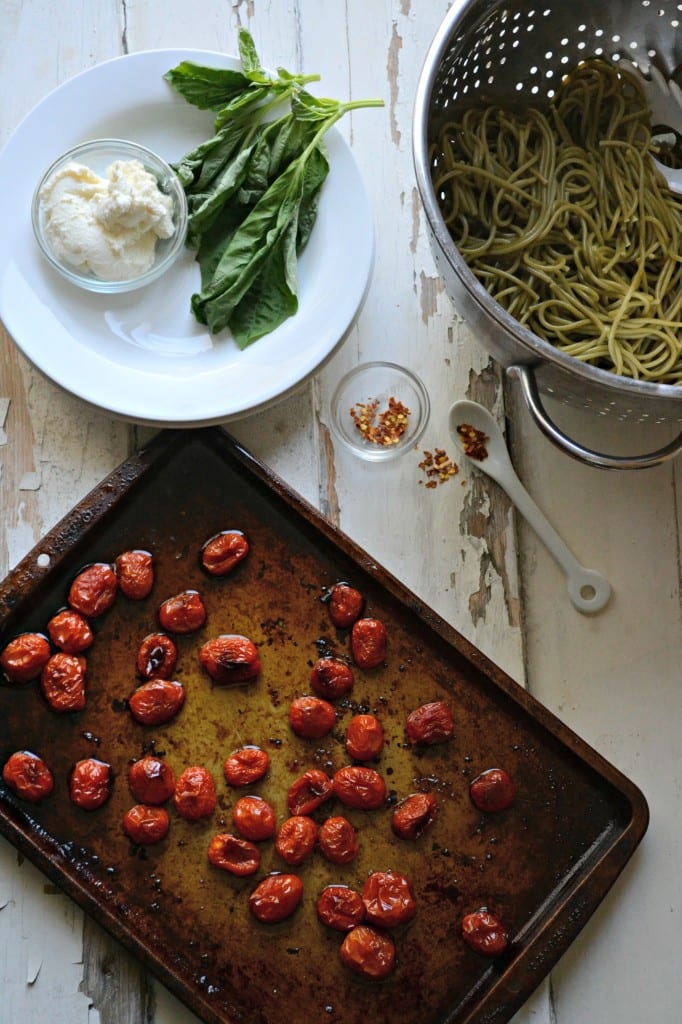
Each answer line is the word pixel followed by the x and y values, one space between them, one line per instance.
pixel 615 678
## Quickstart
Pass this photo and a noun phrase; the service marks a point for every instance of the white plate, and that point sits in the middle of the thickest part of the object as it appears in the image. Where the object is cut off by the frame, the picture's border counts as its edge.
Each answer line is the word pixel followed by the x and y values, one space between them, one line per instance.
pixel 142 356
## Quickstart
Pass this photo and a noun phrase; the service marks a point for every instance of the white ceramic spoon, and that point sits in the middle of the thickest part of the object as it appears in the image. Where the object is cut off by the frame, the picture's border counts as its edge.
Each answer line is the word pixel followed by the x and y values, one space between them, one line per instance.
pixel 588 590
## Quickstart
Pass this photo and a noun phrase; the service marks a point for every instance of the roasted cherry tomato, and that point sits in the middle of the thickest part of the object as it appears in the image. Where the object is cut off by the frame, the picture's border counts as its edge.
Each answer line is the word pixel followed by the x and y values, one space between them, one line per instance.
pixel 340 907
pixel 276 898
pixel 254 818
pixel 431 723
pixel 345 605
pixel 413 815
pixel 28 775
pixel 388 898
pixel 368 952
pixel 90 783
pixel 246 765
pixel 151 780
pixel 145 826
pixel 24 657
pixel 331 678
pixel 230 659
pixel 368 643
pixel 157 701
pixel 70 631
pixel 484 932
pixel 183 613
pixel 296 839
pixel 94 589
pixel 360 787
pixel 493 790
pixel 364 737
pixel 220 554
pixel 135 571
pixel 338 840
pixel 195 794
pixel 311 718
pixel 63 682
pixel 234 854
pixel 157 657
pixel 309 792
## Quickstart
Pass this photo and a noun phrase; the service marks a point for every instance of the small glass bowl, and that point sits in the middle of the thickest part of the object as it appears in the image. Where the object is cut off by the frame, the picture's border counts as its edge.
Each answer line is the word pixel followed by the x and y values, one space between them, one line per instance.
pixel 378 382
pixel 98 155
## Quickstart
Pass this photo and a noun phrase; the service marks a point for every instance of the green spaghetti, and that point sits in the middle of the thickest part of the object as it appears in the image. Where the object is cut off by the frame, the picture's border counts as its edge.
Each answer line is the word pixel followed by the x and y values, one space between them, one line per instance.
pixel 566 220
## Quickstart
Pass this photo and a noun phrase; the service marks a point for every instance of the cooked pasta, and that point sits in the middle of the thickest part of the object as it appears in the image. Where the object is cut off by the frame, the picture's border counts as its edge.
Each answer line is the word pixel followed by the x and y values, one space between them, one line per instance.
pixel 566 220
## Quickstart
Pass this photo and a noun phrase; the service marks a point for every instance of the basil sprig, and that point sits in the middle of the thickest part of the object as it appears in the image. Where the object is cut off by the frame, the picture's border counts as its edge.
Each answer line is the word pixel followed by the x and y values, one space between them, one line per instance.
pixel 253 188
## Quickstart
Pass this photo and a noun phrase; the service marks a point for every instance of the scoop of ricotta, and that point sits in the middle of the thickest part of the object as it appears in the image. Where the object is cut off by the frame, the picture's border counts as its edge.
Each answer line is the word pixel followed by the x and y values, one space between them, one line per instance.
pixel 107 226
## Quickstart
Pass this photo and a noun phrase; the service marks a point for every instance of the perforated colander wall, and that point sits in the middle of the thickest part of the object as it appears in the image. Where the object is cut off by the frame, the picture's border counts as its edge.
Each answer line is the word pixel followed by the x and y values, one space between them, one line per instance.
pixel 515 53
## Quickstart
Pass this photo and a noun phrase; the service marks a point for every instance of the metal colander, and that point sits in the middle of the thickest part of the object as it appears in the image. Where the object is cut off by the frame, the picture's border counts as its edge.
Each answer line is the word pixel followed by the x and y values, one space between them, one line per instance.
pixel 513 54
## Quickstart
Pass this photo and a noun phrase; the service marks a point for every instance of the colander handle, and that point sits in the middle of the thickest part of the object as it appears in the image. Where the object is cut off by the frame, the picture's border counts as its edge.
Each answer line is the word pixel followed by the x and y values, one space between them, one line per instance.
pixel 529 389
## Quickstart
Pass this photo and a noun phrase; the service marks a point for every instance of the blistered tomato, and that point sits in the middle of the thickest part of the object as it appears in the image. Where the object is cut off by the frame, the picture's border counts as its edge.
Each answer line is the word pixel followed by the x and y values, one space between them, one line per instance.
pixel 183 613
pixel 331 678
pixel 93 591
pixel 195 794
pixel 369 952
pixel 254 818
pixel 151 780
pixel 157 701
pixel 413 815
pixel 28 775
pixel 431 723
pixel 493 790
pixel 296 839
pixel 90 783
pixel 24 657
pixel 388 898
pixel 364 737
pixel 360 787
pixel 157 657
pixel 276 898
pixel 234 854
pixel 338 840
pixel 345 605
pixel 369 643
pixel 230 659
pixel 246 765
pixel 70 631
pixel 146 825
pixel 135 572
pixel 340 907
pixel 309 792
pixel 484 932
pixel 63 682
pixel 311 718
pixel 223 552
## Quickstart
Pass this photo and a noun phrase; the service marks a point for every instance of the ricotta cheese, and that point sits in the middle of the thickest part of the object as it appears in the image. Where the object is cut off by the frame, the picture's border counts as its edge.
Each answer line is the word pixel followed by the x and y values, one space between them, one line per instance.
pixel 106 226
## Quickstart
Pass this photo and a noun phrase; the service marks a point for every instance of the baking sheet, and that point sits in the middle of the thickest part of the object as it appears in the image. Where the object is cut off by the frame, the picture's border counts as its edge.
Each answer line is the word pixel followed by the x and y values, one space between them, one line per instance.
pixel 544 865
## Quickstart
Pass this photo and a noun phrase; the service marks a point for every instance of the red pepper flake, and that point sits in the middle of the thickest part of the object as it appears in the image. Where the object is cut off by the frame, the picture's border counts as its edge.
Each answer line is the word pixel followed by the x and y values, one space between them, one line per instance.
pixel 385 427
pixel 474 441
pixel 438 467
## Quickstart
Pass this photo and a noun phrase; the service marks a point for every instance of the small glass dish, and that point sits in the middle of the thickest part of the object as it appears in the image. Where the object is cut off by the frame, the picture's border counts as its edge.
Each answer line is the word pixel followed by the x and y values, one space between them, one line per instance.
pixel 374 390
pixel 98 155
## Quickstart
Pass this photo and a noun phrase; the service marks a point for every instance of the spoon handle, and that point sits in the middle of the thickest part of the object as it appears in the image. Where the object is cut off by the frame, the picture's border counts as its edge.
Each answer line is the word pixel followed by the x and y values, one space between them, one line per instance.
pixel 588 590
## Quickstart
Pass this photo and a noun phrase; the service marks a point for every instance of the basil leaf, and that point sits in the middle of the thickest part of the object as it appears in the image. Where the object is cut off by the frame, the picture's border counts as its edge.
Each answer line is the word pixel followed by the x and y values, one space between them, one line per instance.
pixel 307 107
pixel 272 297
pixel 205 87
